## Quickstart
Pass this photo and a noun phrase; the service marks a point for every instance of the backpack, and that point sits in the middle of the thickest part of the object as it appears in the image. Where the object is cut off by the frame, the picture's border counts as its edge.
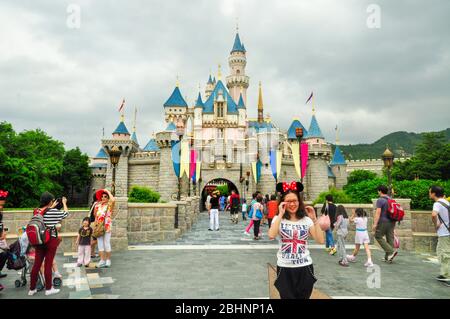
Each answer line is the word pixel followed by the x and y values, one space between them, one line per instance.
pixel 250 213
pixel 234 202
pixel 259 214
pixel 38 234
pixel 395 210
pixel 440 218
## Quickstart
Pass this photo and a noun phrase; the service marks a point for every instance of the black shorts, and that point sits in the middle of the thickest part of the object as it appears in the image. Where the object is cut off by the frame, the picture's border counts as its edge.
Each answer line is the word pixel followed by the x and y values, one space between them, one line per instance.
pixel 295 283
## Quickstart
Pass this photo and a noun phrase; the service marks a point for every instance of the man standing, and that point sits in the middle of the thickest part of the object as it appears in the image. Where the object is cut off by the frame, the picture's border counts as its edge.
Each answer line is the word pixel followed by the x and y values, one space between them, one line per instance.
pixel 441 220
pixel 234 206
pixel 214 211
pixel 383 226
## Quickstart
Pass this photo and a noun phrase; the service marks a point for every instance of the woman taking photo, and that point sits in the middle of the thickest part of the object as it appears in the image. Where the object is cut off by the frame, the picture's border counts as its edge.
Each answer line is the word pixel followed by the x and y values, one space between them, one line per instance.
pixel 103 211
pixel 294 223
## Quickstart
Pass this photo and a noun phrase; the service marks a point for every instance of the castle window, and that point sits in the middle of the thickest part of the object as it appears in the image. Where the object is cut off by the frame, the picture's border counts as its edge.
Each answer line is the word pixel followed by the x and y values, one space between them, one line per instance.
pixel 238 72
pixel 220 109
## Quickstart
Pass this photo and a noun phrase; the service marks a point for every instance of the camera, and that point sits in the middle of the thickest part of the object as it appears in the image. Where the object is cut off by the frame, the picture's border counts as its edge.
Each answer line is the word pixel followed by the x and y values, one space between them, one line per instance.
pixel 59 206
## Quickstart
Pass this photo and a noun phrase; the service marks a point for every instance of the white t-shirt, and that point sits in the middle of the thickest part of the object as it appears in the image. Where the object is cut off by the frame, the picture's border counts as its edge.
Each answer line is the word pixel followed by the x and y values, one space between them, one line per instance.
pixel 443 212
pixel 244 207
pixel 293 250
pixel 361 222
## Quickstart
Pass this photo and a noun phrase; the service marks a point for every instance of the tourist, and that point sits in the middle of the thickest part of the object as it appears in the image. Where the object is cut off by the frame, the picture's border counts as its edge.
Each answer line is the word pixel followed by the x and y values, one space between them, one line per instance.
pixel 222 203
pixel 361 236
pixel 52 217
pixel 3 233
pixel 329 208
pixel 208 202
pixel 272 209
pixel 244 209
pixel 256 216
pixel 84 243
pixel 214 212
pixel 294 224
pixel 341 227
pixel 103 214
pixel 383 226
pixel 250 224
pixel 91 220
pixel 234 206
pixel 441 220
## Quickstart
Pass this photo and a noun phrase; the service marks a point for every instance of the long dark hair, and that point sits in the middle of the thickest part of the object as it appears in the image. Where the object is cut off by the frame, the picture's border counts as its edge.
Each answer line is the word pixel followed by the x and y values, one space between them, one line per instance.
pixel 340 210
pixel 300 213
pixel 361 212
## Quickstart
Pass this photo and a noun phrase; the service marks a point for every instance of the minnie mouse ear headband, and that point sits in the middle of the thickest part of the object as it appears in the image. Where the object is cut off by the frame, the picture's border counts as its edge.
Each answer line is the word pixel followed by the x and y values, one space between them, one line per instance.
pixel 3 194
pixel 293 186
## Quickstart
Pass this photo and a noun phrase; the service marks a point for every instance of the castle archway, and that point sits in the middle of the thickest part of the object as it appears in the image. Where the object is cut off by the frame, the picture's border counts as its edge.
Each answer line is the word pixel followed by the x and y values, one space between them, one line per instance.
pixel 213 184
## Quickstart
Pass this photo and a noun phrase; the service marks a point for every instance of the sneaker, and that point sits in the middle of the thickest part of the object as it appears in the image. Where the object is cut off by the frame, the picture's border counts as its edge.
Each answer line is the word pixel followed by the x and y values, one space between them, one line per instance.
pixel 368 263
pixel 247 234
pixel 442 278
pixel 209 229
pixel 108 263
pixel 391 257
pixel 32 292
pixel 333 251
pixel 351 258
pixel 343 264
pixel 51 291
pixel 101 264
pixel 57 275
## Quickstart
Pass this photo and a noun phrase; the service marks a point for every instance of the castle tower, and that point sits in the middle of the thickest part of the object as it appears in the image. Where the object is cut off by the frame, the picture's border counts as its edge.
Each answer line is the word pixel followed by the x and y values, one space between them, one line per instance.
pixel 339 166
pixel 134 136
pixel 209 87
pixel 198 117
pixel 260 105
pixel 175 108
pixel 319 155
pixel 237 80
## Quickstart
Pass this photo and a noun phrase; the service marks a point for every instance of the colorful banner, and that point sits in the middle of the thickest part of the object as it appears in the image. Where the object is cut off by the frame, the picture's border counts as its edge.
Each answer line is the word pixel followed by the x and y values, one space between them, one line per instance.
pixel 275 163
pixel 198 168
pixel 176 157
pixel 193 165
pixel 184 165
pixel 304 157
pixel 295 147
pixel 254 172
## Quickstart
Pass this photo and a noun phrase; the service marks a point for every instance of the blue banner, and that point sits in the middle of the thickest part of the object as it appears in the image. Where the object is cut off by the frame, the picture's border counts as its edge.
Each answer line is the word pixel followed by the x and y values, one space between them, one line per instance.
pixel 176 157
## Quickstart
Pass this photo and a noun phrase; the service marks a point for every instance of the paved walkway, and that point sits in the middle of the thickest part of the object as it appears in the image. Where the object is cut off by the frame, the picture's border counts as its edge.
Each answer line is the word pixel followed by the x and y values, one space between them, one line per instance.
pixel 228 264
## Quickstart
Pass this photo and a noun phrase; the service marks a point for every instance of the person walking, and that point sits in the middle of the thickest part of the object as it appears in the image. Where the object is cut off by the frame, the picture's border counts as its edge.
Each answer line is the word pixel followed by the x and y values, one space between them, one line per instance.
pixel 52 217
pixel 294 223
pixel 341 227
pixel 244 210
pixel 361 236
pixel 329 208
pixel 383 226
pixel 234 206
pixel 441 220
pixel 214 211
pixel 257 215
pixel 250 212
pixel 272 209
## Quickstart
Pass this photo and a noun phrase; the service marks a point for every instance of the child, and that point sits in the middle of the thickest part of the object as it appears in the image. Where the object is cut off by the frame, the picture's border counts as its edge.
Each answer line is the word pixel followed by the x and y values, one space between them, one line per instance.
pixel 84 243
pixel 244 210
pixel 341 226
pixel 361 236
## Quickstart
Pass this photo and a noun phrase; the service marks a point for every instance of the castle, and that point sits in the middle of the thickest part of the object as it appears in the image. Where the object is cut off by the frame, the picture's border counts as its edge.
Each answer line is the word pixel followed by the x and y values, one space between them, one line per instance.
pixel 227 141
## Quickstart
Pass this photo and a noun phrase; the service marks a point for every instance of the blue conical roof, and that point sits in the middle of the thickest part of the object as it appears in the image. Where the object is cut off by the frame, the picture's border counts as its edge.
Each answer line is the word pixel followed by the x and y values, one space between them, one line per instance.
pixel 134 138
pixel 151 146
pixel 241 104
pixel 338 158
pixel 238 46
pixel 171 127
pixel 176 99
pixel 291 131
pixel 101 154
pixel 314 129
pixel 209 103
pixel 121 129
pixel 210 81
pixel 199 102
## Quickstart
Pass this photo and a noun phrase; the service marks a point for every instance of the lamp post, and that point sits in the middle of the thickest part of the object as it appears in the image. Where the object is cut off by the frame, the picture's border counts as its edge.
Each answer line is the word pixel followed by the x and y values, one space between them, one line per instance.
pixel 114 156
pixel 388 160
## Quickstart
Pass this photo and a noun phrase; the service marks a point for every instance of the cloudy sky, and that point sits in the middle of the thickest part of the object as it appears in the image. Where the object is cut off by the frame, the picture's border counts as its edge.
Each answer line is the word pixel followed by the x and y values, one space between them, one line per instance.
pixel 369 81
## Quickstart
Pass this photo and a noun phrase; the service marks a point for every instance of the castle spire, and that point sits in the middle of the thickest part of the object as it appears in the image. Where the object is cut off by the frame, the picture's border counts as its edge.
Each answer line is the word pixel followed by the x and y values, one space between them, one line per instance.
pixel 337 135
pixel 219 73
pixel 260 105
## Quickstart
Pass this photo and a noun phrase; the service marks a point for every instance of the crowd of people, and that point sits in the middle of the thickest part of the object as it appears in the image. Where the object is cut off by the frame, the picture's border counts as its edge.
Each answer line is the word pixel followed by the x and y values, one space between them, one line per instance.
pixel 95 230
pixel 285 213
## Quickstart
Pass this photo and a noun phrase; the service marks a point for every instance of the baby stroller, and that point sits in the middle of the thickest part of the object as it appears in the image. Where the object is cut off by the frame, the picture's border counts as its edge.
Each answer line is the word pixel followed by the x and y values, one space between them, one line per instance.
pixel 21 257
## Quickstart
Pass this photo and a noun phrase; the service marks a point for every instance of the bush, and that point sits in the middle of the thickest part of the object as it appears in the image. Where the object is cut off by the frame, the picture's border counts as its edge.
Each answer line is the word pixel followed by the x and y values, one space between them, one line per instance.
pixel 363 192
pixel 223 189
pixel 360 176
pixel 418 192
pixel 141 194
pixel 338 197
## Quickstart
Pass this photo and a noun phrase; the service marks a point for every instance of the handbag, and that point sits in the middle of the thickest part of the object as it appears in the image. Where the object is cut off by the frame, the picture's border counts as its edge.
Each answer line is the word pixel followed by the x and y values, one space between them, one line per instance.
pixel 324 222
pixel 98 229
pixel 396 241
pixel 259 214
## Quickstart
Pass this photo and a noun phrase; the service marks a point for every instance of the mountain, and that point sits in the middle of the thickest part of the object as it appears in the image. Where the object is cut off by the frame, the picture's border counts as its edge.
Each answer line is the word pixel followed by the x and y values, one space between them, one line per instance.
pixel 401 143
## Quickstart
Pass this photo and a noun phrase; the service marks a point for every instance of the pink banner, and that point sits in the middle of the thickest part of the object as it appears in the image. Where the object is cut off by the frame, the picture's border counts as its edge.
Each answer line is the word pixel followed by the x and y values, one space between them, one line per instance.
pixel 193 163
pixel 304 157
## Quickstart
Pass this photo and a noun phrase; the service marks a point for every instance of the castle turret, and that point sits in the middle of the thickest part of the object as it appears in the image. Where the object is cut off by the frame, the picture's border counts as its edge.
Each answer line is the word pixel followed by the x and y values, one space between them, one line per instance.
pixel 339 166
pixel 175 107
pixel 121 132
pixel 209 87
pixel 260 105
pixel 237 80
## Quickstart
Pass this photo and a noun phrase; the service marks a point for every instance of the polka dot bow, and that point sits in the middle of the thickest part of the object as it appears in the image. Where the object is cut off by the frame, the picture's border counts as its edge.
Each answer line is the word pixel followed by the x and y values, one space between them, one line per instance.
pixel 290 186
pixel 3 194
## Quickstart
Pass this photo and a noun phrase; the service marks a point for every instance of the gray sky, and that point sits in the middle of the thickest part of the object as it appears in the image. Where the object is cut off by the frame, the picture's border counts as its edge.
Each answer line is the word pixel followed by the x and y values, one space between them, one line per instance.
pixel 368 81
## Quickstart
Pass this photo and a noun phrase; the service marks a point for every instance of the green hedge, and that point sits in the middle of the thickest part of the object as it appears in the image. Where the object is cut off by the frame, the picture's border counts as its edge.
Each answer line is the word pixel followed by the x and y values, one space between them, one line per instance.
pixel 139 194
pixel 339 197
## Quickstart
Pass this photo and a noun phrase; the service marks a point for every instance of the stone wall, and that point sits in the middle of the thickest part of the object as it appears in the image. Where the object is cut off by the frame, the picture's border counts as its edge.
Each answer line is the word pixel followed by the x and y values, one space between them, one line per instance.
pixel 424 233
pixel 141 173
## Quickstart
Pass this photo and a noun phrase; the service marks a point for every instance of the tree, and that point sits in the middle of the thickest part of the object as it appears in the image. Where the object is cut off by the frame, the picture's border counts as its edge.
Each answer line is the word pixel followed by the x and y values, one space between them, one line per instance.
pixel 360 175
pixel 76 173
